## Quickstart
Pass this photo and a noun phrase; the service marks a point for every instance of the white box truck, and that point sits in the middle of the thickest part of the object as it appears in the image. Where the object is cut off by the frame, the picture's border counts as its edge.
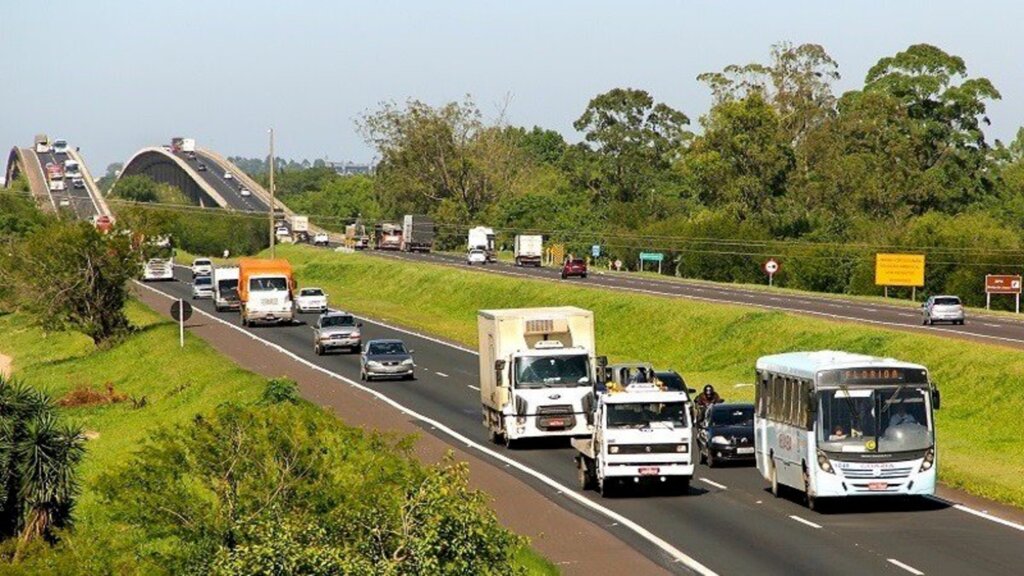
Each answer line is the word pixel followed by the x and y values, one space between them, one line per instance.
pixel 537 372
pixel 529 248
pixel 642 436
pixel 225 288
pixel 188 144
pixel 481 238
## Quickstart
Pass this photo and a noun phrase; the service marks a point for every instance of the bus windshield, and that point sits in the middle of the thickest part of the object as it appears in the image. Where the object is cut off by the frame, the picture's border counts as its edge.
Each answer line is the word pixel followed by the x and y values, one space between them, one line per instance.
pixel 890 419
pixel 542 371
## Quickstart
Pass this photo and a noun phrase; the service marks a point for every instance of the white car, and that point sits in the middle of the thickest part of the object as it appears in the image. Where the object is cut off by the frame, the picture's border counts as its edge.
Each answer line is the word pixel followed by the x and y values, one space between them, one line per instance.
pixel 202 267
pixel 202 287
pixel 228 176
pixel 476 256
pixel 943 309
pixel 311 300
pixel 78 183
pixel 321 239
pixel 64 202
pixel 60 146
pixel 245 192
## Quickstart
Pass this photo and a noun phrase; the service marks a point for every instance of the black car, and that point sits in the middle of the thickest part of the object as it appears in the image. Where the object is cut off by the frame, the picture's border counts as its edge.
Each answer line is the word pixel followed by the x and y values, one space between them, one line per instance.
pixel 201 167
pixel 726 434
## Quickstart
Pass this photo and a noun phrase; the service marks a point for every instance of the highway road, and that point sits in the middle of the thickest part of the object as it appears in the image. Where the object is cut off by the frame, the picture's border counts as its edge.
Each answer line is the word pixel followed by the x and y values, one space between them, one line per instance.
pixel 78 200
pixel 728 522
pixel 987 328
pixel 229 189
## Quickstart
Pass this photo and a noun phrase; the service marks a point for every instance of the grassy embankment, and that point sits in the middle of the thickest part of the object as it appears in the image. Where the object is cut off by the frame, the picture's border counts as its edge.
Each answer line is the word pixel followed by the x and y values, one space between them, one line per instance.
pixel 177 384
pixel 981 448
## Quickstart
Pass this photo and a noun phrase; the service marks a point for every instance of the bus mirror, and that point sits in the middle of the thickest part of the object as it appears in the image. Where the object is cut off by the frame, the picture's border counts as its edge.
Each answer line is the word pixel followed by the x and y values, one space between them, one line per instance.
pixel 936 398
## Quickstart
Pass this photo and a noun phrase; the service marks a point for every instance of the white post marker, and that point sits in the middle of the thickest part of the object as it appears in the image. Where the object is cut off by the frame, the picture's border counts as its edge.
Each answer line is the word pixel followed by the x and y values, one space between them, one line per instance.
pixel 770 267
pixel 181 323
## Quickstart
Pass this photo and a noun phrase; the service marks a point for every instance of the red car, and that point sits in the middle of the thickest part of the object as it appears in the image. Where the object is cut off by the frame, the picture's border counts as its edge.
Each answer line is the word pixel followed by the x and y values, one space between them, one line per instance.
pixel 574 267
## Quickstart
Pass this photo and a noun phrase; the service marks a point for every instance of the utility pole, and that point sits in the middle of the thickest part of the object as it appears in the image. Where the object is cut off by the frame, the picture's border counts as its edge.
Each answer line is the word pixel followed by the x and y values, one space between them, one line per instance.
pixel 271 166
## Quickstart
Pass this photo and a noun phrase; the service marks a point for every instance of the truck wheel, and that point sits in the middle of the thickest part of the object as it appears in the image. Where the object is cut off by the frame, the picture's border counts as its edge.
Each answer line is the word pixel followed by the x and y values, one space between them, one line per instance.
pixel 683 486
pixel 604 487
pixel 583 474
pixel 494 436
pixel 510 444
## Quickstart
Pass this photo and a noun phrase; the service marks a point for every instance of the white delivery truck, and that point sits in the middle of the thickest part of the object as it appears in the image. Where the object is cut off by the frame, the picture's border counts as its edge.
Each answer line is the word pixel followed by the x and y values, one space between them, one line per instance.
pixel 537 372
pixel 300 228
pixel 642 436
pixel 528 249
pixel 225 288
pixel 481 238
pixel 188 144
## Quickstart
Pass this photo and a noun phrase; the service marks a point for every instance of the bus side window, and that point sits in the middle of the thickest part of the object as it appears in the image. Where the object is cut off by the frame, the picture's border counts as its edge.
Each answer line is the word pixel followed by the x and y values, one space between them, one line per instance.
pixel 778 397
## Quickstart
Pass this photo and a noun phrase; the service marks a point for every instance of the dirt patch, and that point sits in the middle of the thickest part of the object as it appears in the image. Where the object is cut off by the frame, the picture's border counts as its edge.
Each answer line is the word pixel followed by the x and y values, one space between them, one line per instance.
pixel 5 365
pixel 575 544
pixel 85 395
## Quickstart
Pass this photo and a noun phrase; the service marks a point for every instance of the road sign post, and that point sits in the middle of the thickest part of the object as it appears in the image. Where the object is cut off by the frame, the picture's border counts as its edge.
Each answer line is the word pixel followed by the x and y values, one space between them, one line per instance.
pixel 181 311
pixel 651 257
pixel 906 270
pixel 770 267
pixel 1002 284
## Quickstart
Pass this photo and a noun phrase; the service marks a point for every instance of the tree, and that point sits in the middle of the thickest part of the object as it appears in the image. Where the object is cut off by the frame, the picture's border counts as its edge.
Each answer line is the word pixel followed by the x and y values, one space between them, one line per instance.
pixel 71 276
pixel 38 458
pixel 635 141
pixel 142 188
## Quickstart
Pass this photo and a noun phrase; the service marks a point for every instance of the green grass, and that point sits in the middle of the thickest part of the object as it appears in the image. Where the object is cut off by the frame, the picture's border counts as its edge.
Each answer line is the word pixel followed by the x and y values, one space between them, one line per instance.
pixel 177 384
pixel 979 435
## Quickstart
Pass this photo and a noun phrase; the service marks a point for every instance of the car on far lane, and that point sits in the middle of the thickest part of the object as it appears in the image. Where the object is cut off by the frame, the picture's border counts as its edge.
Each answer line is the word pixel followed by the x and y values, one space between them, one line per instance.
pixel 78 183
pixel 228 176
pixel 726 434
pixel 245 192
pixel 60 146
pixel 321 239
pixel 574 267
pixel 64 202
pixel 386 359
pixel 201 167
pixel 202 267
pixel 311 300
pixel 943 309
pixel 336 329
pixel 476 256
pixel 190 155
pixel 202 287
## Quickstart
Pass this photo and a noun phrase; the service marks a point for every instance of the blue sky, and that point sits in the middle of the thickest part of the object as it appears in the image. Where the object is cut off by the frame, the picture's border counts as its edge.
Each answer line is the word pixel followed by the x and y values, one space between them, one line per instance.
pixel 112 77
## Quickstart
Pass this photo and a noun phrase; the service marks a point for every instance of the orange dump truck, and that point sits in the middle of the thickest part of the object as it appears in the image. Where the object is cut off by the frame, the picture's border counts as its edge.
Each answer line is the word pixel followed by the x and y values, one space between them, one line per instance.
pixel 265 290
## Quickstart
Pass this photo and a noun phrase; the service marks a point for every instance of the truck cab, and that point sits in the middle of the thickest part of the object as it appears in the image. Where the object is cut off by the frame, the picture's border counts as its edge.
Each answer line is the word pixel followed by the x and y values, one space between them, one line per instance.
pixel 641 436
pixel 265 290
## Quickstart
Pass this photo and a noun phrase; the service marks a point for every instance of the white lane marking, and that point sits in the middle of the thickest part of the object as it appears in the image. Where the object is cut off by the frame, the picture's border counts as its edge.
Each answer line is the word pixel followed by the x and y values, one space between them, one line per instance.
pixel 715 484
pixel 991 325
pixel 986 516
pixel 906 567
pixel 441 374
pixel 805 522
pixel 678 555
pixel 477 388
pixel 741 385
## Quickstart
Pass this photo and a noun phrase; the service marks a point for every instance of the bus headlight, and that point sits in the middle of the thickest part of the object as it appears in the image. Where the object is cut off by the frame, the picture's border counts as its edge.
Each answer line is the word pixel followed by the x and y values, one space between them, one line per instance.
pixel 824 464
pixel 929 460
pixel 719 440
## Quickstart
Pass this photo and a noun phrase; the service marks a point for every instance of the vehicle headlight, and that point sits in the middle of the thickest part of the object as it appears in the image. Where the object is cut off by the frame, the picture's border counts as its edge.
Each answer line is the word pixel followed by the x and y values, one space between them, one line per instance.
pixel 407 362
pixel 824 463
pixel 929 460
pixel 613 449
pixel 719 440
pixel 682 448
pixel 372 363
pixel 355 335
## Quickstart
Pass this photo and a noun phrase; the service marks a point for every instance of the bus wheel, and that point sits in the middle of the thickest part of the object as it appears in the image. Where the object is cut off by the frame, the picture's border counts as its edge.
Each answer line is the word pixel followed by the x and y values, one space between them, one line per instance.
pixel 775 480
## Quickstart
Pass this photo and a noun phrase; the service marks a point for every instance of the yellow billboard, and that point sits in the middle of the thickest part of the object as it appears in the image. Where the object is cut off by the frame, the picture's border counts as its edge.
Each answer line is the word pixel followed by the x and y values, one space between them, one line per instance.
pixel 899 270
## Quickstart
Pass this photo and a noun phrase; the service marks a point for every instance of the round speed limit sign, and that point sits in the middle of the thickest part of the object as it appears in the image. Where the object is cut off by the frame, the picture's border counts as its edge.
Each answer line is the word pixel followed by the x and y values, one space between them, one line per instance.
pixel 771 267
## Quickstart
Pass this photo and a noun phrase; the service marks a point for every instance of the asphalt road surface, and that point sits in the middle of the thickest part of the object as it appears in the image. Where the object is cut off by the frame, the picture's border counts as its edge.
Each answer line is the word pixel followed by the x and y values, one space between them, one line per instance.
pixel 228 188
pixel 77 200
pixel 987 328
pixel 728 521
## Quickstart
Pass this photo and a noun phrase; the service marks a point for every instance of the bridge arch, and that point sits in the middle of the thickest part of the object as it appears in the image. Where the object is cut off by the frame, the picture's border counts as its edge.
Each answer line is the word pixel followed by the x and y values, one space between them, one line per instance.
pixel 164 167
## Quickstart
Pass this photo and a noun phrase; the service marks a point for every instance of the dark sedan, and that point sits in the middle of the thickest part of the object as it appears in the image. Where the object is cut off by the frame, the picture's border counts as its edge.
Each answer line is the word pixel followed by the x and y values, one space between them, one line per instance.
pixel 386 359
pixel 726 434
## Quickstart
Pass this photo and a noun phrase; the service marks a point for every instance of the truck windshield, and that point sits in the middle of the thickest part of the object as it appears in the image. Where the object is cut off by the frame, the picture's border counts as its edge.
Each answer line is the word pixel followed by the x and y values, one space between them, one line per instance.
pixel 891 419
pixel 547 371
pixel 268 284
pixel 647 415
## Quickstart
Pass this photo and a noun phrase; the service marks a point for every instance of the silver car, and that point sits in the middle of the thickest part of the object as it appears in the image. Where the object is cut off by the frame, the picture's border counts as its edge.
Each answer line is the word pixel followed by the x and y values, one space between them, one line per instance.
pixel 386 359
pixel 336 330
pixel 202 287
pixel 943 309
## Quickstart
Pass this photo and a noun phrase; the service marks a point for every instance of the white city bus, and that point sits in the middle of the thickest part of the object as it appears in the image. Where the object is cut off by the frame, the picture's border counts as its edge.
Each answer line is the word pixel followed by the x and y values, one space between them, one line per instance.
pixel 834 424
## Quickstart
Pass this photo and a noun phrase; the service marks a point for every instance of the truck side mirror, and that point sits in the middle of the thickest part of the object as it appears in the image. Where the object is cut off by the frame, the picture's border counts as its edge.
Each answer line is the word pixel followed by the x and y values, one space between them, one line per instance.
pixel 602 361
pixel 936 398
pixel 499 365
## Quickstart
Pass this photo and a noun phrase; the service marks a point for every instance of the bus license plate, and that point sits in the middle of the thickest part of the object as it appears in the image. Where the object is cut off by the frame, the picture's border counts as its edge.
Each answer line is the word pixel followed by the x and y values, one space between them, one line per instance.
pixel 877 486
pixel 649 471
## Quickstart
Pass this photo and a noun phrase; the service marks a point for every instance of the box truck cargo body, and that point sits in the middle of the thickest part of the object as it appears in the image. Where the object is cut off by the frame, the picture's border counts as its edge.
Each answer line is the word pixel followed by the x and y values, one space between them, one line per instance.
pixel 417 233
pixel 528 249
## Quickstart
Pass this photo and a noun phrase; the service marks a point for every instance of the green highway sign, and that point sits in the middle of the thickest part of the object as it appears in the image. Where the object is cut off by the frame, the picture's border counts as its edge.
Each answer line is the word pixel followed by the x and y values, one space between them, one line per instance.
pixel 651 256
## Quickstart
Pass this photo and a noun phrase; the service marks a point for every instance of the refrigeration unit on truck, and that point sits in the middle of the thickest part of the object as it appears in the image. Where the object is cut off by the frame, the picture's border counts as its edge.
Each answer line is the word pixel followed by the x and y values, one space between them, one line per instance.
pixel 266 291
pixel 481 238
pixel 641 436
pixel 387 236
pixel 537 372
pixel 42 144
pixel 225 288
pixel 529 248
pixel 417 233
pixel 356 237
